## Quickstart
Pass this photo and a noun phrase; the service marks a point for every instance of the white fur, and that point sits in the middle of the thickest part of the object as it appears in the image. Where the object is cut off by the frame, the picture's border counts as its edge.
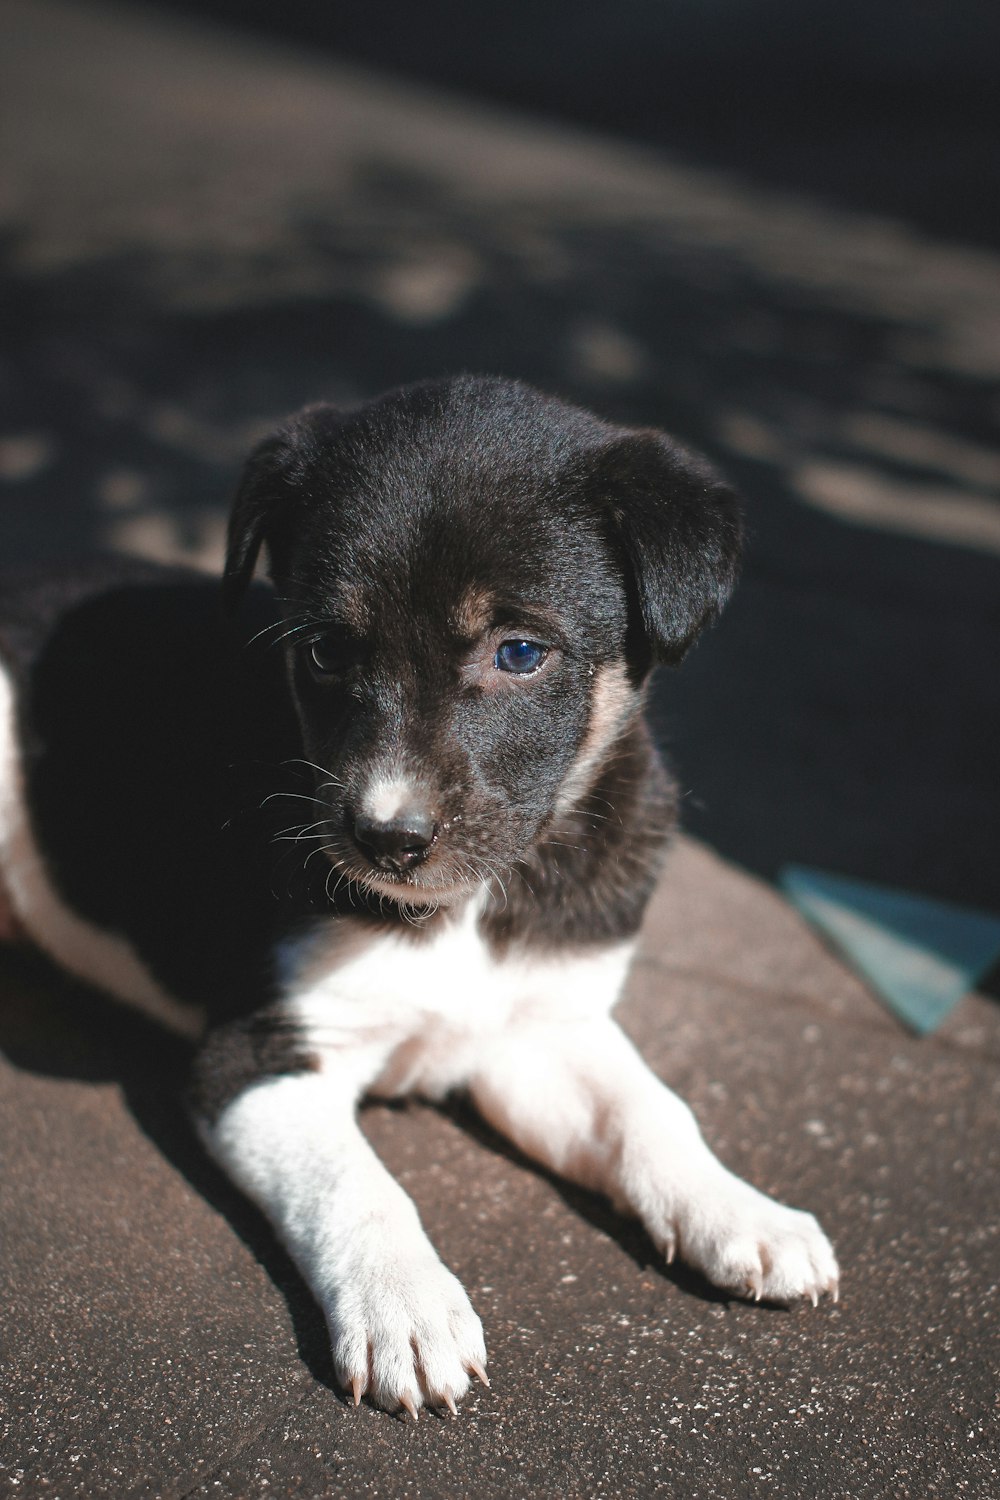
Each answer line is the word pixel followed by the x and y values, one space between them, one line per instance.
pixel 533 1043
pixel 386 796
pixel 98 957
pixel 400 1324
pixel 445 992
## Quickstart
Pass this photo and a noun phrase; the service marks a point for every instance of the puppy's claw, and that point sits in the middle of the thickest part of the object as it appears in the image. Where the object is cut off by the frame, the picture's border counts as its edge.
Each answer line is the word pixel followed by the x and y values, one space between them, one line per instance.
pixel 814 1296
pixel 755 1285
pixel 357 1390
pixel 670 1251
pixel 449 1401
pixel 476 1369
pixel 408 1402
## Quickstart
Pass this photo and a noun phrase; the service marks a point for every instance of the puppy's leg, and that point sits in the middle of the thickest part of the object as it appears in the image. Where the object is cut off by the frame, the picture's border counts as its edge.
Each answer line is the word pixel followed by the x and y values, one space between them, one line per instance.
pixel 401 1325
pixel 578 1097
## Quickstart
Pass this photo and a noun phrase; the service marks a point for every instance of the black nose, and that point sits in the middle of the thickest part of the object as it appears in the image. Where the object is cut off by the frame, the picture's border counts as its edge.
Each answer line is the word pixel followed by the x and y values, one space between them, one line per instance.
pixel 399 843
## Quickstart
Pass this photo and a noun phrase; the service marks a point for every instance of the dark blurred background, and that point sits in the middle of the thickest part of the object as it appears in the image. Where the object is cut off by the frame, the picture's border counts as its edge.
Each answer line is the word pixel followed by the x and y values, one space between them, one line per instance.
pixel 769 227
pixel 887 105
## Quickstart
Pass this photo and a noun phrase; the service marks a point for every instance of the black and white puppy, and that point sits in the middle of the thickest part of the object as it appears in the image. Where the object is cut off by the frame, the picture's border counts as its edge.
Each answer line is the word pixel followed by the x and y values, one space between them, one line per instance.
pixel 391 828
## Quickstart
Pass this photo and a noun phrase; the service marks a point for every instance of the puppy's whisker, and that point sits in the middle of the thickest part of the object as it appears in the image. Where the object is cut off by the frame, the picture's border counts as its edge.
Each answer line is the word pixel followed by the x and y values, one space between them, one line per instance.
pixel 562 844
pixel 295 630
pixel 298 838
pixel 321 823
pixel 320 849
pixel 273 625
pixel 299 796
pixel 493 877
pixel 299 830
pixel 521 874
pixel 298 760
pixel 470 878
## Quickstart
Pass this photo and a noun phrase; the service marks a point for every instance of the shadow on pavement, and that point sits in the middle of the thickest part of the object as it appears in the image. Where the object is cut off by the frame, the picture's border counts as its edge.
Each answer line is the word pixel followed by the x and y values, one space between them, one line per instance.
pixel 54 1028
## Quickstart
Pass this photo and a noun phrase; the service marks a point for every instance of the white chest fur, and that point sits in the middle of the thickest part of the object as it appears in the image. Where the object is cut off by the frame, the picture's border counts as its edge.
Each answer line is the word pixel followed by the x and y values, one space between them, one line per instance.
pixel 410 1010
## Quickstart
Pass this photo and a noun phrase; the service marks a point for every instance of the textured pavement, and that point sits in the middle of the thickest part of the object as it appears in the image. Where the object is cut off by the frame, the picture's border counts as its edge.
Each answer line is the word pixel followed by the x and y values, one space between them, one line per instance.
pixel 201 233
pixel 164 1346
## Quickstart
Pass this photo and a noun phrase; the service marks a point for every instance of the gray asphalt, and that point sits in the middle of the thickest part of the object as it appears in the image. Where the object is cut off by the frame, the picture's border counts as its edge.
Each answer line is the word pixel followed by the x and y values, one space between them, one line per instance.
pixel 201 232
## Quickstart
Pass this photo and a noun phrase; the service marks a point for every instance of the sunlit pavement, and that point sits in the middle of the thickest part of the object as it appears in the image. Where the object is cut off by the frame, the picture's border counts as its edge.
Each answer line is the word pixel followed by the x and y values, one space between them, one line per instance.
pixel 201 233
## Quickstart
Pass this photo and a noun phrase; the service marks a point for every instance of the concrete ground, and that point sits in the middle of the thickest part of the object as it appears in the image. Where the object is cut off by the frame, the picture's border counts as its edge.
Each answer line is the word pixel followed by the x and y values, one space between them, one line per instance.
pixel 200 233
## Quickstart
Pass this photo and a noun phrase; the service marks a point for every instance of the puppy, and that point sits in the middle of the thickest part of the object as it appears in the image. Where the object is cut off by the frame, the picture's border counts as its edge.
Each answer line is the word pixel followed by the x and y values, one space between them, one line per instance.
pixel 392 829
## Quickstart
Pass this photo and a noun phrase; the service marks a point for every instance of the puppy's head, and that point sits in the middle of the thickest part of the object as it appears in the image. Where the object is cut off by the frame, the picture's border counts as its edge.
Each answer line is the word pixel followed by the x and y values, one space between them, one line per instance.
pixel 475 581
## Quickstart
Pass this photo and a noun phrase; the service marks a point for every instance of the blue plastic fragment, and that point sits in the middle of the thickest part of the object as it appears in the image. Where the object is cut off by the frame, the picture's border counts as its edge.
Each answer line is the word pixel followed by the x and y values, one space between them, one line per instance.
pixel 920 956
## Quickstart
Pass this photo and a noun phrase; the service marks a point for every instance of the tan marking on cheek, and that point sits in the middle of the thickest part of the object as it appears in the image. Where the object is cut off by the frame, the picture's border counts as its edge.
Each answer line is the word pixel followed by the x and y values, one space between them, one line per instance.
pixel 612 701
pixel 472 614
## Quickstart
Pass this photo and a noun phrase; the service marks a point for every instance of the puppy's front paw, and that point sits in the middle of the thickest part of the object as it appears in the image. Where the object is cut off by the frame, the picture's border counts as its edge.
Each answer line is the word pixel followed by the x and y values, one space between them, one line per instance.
pixel 747 1243
pixel 404 1332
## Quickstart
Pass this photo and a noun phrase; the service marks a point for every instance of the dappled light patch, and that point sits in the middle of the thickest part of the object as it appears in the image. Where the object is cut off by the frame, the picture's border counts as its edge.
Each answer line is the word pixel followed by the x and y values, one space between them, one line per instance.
pixel 936 512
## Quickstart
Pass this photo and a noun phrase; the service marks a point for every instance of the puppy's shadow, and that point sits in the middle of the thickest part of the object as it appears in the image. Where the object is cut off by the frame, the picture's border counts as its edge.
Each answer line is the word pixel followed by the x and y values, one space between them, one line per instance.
pixel 56 1028
pixel 593 1208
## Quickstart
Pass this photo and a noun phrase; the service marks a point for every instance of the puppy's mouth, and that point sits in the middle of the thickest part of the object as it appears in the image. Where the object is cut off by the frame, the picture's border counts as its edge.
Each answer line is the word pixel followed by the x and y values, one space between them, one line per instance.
pixel 403 865
pixel 403 887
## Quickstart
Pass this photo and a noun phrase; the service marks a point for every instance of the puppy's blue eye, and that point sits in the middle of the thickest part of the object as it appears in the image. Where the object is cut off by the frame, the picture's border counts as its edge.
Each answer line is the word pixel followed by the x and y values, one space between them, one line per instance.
pixel 519 656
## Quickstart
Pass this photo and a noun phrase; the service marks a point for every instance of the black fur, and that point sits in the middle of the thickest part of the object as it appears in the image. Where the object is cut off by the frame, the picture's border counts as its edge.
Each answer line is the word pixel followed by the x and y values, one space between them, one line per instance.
pixel 586 881
pixel 241 1053
pixel 610 545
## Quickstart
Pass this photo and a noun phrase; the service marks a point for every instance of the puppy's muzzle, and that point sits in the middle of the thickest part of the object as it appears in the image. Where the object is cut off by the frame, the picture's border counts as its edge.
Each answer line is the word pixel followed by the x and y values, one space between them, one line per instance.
pixel 397 844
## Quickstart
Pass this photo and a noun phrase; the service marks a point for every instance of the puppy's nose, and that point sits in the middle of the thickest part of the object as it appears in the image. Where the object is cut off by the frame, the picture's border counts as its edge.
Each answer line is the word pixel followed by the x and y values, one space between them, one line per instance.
pixel 396 843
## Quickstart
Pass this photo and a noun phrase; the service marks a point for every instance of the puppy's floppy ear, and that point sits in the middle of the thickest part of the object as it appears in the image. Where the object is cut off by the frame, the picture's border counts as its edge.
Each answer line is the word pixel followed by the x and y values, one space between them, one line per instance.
pixel 258 496
pixel 286 467
pixel 273 476
pixel 679 528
